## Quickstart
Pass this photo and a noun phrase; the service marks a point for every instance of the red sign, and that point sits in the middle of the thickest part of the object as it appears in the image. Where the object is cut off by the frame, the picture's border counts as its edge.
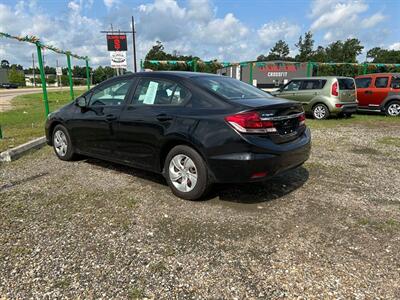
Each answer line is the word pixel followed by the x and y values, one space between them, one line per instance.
pixel 116 42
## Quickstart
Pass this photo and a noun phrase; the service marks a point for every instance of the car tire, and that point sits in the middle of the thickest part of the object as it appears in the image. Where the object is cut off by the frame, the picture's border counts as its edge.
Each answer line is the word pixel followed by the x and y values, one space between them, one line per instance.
pixel 62 143
pixel 393 109
pixel 320 112
pixel 186 173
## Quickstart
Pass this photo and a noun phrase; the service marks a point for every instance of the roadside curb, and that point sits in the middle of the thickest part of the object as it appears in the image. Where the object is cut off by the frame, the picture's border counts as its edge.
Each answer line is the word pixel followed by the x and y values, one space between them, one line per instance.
pixel 17 152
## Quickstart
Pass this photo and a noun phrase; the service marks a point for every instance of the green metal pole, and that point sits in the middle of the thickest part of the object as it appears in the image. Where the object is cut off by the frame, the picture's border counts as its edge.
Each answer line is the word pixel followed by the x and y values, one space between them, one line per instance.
pixel 87 74
pixel 251 74
pixel 365 68
pixel 43 79
pixel 71 83
pixel 195 65
pixel 309 64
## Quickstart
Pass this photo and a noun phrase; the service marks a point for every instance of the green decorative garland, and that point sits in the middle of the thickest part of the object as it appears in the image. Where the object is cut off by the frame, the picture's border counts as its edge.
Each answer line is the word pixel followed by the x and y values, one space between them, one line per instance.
pixel 35 40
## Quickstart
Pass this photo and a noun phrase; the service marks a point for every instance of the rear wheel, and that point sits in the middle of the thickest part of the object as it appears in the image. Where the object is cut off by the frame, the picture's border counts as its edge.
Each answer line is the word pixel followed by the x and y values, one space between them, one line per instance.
pixel 393 108
pixel 186 173
pixel 62 143
pixel 320 111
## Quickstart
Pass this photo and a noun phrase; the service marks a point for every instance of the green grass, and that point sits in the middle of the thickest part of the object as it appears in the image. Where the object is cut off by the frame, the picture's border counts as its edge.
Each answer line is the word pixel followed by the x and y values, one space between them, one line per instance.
pixel 388 225
pixel 388 140
pixel 368 120
pixel 26 120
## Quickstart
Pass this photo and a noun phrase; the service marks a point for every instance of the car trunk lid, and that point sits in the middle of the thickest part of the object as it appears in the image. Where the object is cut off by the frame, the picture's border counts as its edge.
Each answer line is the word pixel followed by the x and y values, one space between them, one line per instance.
pixel 285 117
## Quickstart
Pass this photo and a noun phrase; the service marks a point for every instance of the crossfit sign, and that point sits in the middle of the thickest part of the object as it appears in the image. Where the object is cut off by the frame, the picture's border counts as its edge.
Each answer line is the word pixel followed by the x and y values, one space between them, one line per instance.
pixel 116 42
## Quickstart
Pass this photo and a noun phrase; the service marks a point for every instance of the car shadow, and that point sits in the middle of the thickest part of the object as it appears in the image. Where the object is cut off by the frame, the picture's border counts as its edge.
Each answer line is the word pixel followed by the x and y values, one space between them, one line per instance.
pixel 246 193
pixel 142 174
pixel 258 192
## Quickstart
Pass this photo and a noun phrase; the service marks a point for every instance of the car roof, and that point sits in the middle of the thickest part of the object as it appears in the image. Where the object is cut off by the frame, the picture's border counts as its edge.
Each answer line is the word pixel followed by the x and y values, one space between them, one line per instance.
pixel 320 77
pixel 181 74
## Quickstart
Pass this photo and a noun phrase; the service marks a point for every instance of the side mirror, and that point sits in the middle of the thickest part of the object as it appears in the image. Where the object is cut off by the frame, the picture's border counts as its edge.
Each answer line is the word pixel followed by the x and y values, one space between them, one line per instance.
pixel 81 102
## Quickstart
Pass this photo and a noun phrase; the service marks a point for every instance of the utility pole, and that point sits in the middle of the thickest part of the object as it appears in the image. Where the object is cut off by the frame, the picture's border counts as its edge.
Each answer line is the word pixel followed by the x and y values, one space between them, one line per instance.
pixel 33 69
pixel 134 45
pixel 58 84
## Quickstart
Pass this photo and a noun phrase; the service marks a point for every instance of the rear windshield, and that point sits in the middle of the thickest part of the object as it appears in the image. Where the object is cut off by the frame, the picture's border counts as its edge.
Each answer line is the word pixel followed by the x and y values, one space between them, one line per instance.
pixel 346 84
pixel 230 88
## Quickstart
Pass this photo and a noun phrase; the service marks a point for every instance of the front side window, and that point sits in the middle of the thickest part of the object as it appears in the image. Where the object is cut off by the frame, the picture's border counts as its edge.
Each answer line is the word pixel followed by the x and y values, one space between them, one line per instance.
pixel 381 82
pixel 294 85
pixel 160 92
pixel 112 94
pixel 229 88
pixel 364 82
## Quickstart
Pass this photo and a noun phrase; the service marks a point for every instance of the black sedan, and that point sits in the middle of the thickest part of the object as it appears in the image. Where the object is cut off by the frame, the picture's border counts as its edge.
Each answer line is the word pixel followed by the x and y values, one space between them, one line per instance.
pixel 196 129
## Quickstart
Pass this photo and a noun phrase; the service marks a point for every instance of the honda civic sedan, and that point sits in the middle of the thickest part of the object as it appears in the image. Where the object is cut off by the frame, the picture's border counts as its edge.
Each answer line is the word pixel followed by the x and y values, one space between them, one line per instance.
pixel 195 129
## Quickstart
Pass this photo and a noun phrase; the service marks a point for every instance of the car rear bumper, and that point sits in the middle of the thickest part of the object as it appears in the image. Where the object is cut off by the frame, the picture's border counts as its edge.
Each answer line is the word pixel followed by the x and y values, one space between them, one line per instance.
pixel 346 107
pixel 250 167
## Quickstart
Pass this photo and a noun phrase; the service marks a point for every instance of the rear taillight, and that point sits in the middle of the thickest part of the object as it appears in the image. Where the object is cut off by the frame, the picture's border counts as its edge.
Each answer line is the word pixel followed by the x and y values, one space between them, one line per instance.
pixel 302 119
pixel 334 89
pixel 250 122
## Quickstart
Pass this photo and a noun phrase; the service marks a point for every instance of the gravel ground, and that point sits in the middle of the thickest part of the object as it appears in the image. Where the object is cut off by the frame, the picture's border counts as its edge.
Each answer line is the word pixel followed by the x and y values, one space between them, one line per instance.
pixel 92 229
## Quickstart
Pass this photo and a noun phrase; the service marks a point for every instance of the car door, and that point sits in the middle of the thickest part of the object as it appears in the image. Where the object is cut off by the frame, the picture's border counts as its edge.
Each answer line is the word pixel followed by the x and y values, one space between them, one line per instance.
pixel 364 91
pixel 154 109
pixel 93 126
pixel 381 90
pixel 309 89
pixel 289 91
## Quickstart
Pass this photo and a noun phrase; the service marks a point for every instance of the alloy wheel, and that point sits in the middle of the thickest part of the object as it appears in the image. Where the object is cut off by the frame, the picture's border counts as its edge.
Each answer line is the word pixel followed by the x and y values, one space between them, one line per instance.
pixel 60 143
pixel 319 112
pixel 183 173
pixel 394 109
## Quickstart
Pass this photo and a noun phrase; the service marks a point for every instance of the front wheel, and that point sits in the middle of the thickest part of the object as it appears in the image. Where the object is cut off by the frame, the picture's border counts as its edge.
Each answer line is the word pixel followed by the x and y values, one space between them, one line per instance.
pixel 186 173
pixel 320 111
pixel 393 109
pixel 62 143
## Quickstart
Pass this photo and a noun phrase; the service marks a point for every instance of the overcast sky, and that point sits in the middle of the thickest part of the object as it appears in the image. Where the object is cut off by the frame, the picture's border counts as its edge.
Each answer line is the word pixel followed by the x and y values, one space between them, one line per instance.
pixel 229 30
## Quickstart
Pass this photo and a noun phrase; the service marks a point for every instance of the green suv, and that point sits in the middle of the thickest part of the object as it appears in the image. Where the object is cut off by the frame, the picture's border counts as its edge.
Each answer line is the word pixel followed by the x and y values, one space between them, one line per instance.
pixel 322 96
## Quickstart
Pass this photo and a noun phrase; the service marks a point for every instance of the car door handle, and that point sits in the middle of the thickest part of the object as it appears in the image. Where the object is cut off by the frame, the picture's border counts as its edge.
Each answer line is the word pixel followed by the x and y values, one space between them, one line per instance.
pixel 368 92
pixel 111 117
pixel 163 117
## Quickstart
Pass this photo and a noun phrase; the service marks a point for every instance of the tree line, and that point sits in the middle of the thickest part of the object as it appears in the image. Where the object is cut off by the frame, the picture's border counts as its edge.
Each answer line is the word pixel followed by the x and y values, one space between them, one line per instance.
pixel 16 74
pixel 336 52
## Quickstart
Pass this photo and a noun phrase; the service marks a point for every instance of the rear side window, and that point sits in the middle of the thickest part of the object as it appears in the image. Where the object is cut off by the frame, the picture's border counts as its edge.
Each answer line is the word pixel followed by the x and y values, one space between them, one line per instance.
pixel 160 92
pixel 346 83
pixel 363 83
pixel 313 84
pixel 381 82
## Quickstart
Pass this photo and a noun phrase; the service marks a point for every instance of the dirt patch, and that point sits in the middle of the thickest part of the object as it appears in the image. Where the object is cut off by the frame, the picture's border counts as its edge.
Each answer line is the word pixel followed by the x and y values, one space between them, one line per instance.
pixel 92 229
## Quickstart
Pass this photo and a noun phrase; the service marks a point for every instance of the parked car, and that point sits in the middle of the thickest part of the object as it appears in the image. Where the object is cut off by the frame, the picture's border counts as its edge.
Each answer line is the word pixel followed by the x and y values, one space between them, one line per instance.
pixel 322 96
pixel 9 85
pixel 195 129
pixel 379 92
